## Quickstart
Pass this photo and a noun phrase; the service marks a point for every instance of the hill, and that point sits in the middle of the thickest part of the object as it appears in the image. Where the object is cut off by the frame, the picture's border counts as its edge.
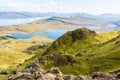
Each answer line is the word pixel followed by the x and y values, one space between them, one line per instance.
pixel 69 23
pixel 82 51
pixel 78 52
pixel 76 22
pixel 14 52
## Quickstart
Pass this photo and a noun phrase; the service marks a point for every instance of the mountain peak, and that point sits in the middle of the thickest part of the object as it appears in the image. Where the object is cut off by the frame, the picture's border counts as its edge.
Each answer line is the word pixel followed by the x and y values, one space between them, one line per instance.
pixel 82 33
pixel 70 38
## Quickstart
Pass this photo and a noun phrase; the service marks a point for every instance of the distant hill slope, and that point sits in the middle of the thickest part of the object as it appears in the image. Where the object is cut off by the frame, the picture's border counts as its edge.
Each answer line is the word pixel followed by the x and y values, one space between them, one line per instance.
pixel 77 22
pixel 70 23
pixel 109 17
pixel 82 51
pixel 104 22
pixel 13 15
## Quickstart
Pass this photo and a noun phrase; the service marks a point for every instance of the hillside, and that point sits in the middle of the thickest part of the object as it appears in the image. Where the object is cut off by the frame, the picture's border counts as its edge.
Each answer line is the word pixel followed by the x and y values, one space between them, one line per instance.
pixel 86 51
pixel 73 38
pixel 76 22
pixel 14 52
pixel 79 52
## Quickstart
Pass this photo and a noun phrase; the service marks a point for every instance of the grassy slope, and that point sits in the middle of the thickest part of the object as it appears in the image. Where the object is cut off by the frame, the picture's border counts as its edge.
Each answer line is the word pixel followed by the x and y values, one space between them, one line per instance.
pixel 95 53
pixel 13 51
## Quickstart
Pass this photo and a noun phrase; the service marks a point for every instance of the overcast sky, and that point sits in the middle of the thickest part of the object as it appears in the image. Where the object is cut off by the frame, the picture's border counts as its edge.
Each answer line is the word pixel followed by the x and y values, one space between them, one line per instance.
pixel 62 6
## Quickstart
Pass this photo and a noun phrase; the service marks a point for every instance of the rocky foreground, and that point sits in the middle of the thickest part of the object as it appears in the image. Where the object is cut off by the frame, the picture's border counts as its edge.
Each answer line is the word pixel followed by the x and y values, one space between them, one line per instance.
pixel 34 71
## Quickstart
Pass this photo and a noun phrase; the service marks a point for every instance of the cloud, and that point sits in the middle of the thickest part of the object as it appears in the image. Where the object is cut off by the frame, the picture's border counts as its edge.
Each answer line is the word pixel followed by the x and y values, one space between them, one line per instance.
pixel 61 6
pixel 11 5
pixel 33 6
pixel 53 6
pixel 52 3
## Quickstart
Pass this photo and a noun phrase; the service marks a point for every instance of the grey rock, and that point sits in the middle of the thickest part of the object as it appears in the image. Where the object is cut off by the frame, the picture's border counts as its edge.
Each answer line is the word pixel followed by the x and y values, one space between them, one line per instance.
pixel 79 78
pixel 68 77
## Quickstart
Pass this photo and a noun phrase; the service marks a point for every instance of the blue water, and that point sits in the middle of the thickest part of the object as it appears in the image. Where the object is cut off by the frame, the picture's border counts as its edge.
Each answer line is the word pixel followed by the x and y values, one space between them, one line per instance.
pixel 53 34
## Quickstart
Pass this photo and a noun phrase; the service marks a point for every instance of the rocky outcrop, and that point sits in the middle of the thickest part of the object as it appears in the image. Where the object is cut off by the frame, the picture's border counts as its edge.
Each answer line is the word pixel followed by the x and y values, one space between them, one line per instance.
pixel 107 76
pixel 34 71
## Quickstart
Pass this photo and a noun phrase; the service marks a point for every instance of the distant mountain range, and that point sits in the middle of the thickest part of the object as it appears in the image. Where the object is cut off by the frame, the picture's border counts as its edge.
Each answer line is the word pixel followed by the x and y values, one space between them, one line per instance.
pixel 78 21
pixel 9 15
pixel 99 23
pixel 104 17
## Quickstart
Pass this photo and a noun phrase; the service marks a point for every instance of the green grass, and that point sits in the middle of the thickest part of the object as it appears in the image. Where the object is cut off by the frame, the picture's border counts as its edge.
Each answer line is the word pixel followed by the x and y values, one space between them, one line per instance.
pixel 96 52
pixel 80 52
pixel 6 37
pixel 38 53
pixel 15 52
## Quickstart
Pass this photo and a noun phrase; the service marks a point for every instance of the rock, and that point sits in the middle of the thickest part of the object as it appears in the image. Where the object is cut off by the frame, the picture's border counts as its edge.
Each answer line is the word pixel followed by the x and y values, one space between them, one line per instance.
pixel 55 71
pixel 34 71
pixel 48 76
pixel 4 72
pixel 59 78
pixel 79 78
pixel 34 64
pixel 20 76
pixel 68 77
pixel 118 76
pixel 37 75
pixel 96 75
pixel 100 76
pixel 34 67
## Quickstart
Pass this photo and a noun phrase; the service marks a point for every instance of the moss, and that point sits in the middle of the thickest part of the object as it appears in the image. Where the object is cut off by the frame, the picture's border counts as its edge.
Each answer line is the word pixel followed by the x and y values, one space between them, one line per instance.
pixel 48 65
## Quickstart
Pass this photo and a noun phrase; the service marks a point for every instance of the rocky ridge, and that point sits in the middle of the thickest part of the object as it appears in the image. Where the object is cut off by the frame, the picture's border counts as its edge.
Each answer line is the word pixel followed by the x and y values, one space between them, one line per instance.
pixel 34 71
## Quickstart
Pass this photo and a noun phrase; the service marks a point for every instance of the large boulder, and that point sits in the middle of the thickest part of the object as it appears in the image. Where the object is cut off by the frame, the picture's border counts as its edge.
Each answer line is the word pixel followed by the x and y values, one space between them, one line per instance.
pixel 34 66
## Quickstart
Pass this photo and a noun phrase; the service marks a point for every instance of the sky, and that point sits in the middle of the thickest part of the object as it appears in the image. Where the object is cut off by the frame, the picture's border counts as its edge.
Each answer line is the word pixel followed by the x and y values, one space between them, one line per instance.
pixel 61 6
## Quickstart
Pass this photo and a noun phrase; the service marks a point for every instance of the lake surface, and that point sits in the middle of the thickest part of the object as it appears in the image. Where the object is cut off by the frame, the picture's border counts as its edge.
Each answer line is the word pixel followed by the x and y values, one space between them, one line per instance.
pixel 7 22
pixel 53 34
